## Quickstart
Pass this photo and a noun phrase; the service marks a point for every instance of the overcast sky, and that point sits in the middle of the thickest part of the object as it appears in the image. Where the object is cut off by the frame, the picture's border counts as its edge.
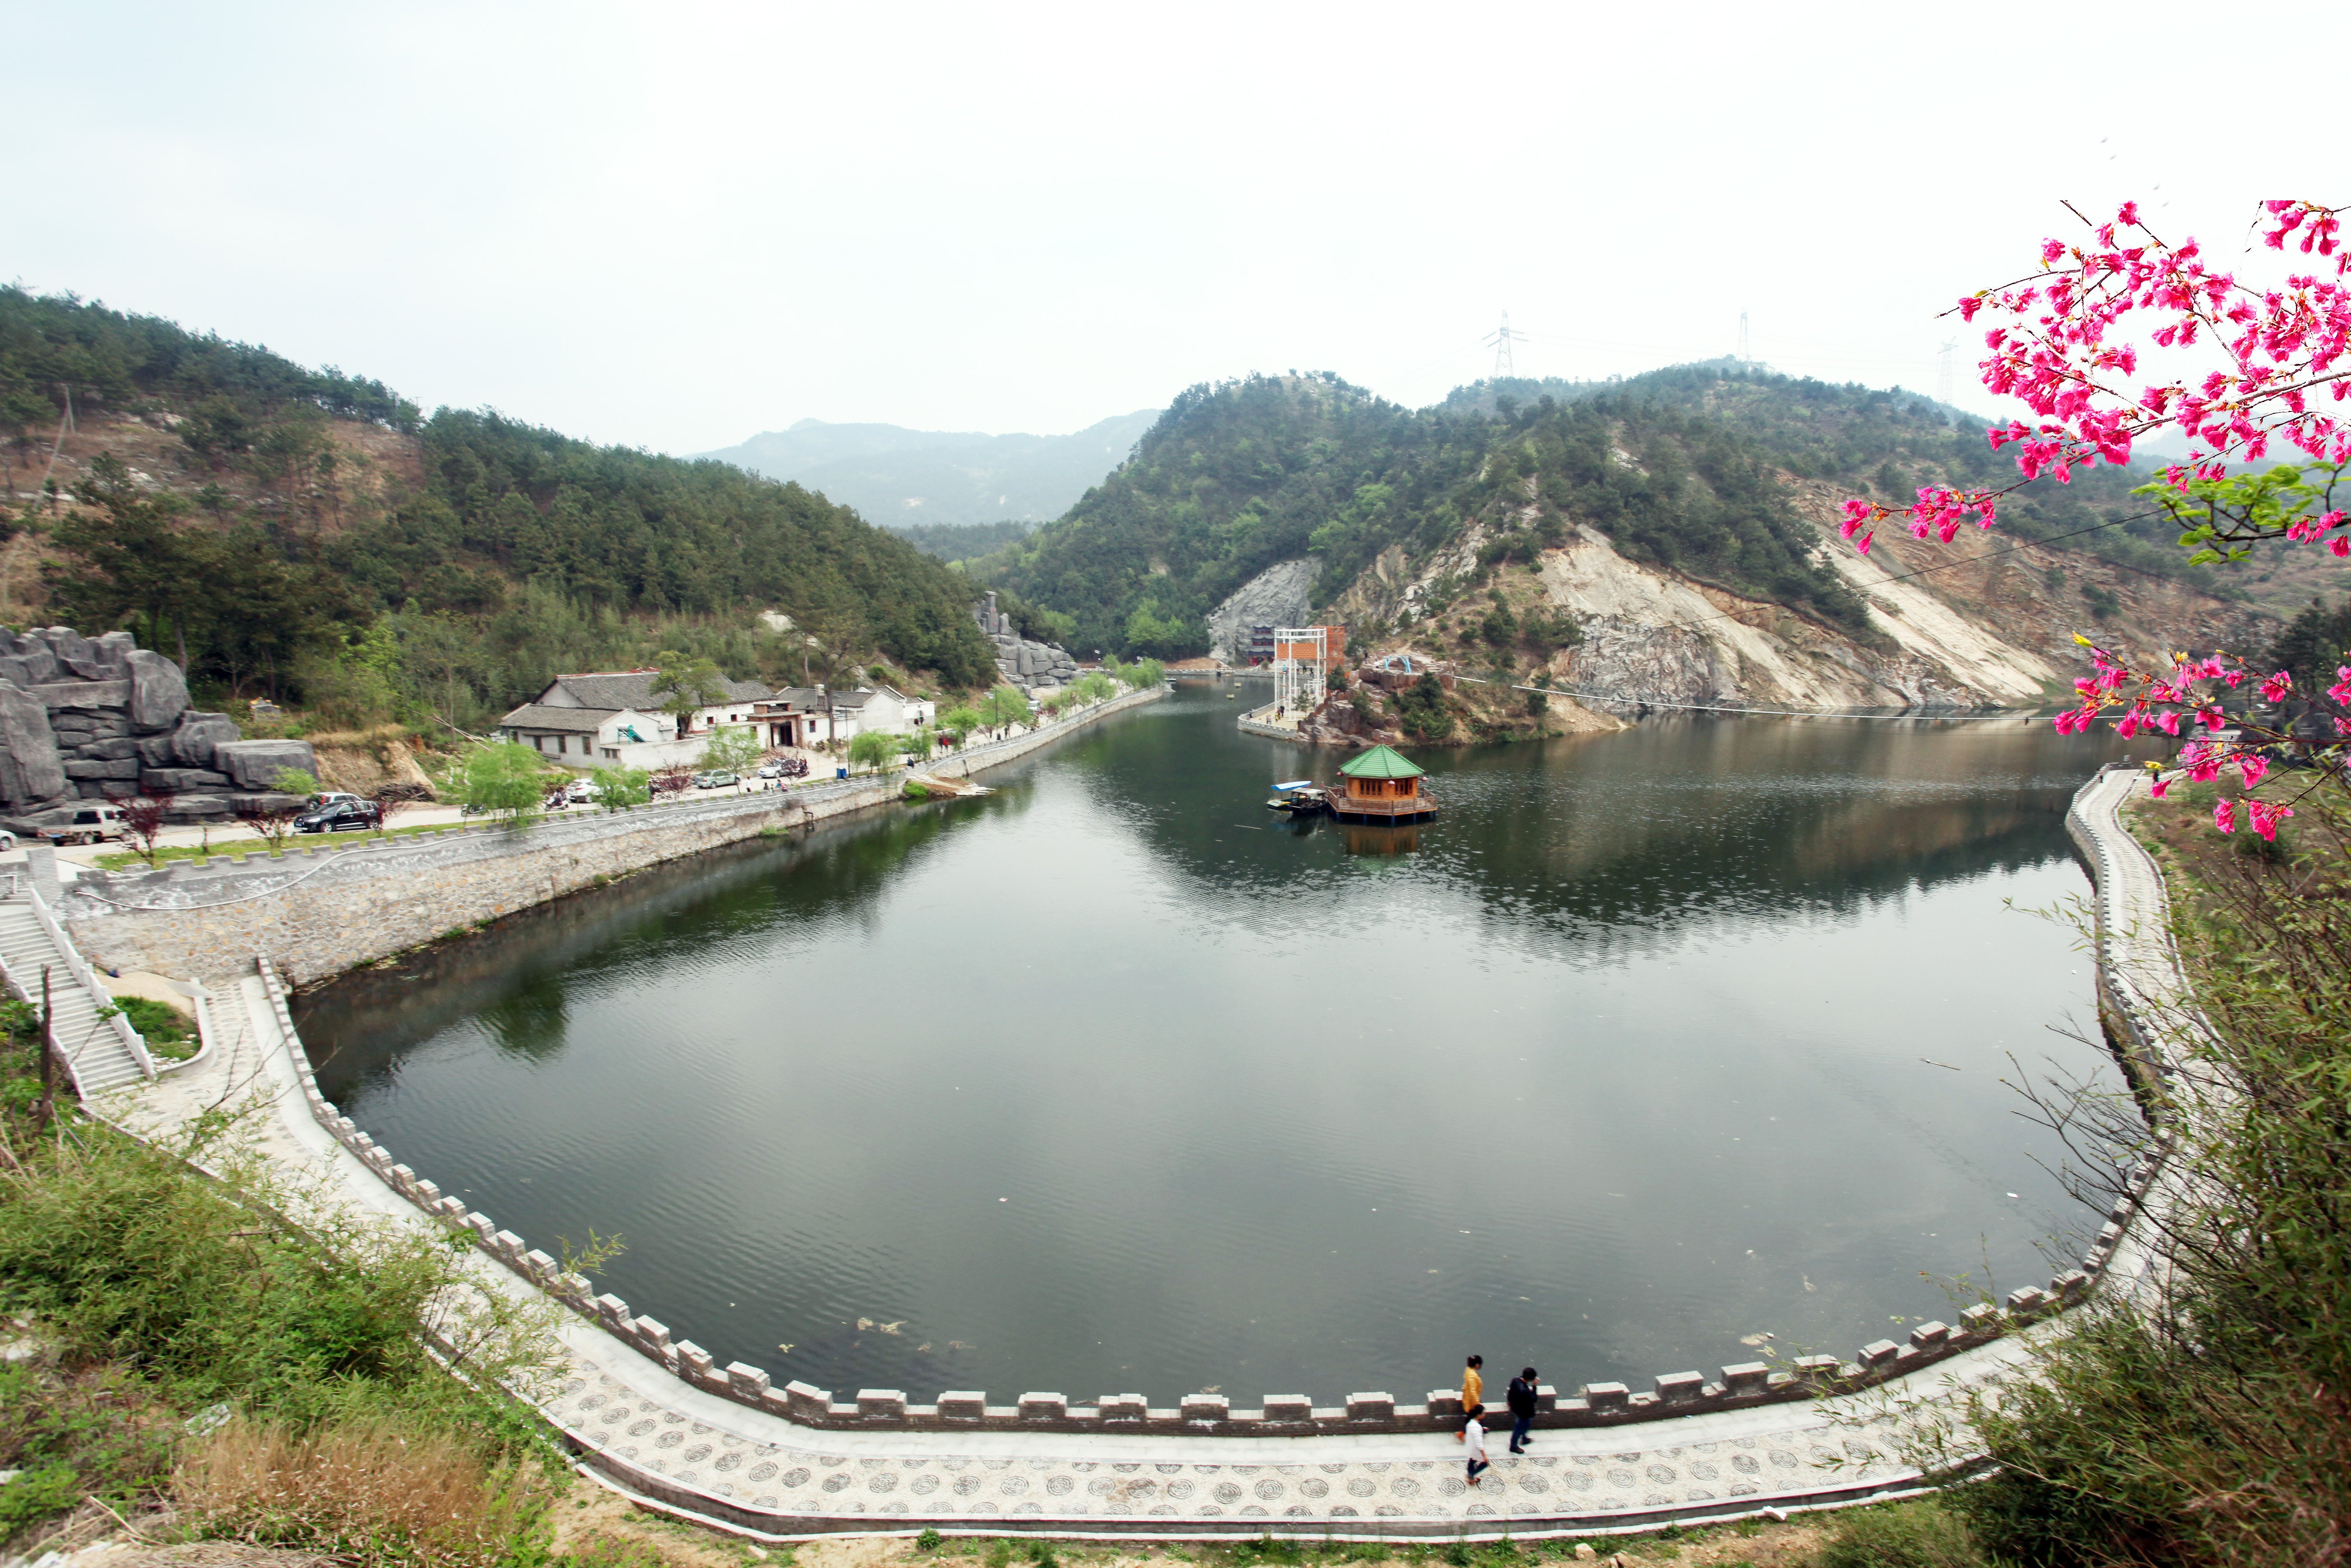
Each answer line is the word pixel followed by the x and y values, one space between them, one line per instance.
pixel 674 225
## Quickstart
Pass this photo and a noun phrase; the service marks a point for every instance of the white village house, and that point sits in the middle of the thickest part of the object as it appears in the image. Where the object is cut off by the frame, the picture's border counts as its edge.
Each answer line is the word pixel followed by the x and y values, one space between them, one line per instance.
pixel 814 715
pixel 613 718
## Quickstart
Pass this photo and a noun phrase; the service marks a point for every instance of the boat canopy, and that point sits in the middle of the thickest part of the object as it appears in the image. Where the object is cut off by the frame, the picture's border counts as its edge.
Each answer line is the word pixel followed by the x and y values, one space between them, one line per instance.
pixel 1296 783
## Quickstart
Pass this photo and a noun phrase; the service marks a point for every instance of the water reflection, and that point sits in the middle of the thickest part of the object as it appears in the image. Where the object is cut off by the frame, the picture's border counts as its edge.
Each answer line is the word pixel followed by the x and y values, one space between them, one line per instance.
pixel 1116 1080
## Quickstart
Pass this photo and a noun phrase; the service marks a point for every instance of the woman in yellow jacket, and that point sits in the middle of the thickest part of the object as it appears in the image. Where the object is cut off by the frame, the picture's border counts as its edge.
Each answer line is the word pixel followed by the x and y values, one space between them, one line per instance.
pixel 1473 1389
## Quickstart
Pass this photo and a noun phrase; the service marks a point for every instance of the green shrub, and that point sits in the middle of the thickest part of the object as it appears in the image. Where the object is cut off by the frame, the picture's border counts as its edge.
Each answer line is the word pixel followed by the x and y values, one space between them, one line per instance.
pixel 169 1033
pixel 1922 1534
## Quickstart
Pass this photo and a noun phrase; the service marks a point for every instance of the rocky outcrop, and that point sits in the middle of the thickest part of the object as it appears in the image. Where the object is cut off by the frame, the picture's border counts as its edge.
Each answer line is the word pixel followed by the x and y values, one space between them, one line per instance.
pixel 87 718
pixel 1020 662
pixel 1274 597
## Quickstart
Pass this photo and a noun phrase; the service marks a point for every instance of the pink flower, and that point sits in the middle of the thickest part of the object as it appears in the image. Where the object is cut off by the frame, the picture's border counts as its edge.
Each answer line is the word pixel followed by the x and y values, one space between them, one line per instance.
pixel 2252 767
pixel 2274 689
pixel 2266 817
pixel 2224 815
pixel 2157 786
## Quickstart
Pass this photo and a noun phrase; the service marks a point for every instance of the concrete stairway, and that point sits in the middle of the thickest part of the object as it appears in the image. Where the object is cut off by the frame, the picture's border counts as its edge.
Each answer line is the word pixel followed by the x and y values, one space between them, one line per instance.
pixel 99 1058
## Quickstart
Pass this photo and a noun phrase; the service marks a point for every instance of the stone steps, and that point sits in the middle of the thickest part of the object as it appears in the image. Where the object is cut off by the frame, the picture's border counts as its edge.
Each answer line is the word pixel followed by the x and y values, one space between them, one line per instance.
pixel 99 1059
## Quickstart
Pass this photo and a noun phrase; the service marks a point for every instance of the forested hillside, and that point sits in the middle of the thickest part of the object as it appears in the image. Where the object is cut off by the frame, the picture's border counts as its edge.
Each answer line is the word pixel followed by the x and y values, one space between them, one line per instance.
pixel 310 534
pixel 1883 443
pixel 1681 468
pixel 1239 476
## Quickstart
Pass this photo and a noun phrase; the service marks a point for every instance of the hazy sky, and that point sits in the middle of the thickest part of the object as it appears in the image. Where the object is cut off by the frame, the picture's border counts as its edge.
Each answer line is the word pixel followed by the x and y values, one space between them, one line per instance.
pixel 674 226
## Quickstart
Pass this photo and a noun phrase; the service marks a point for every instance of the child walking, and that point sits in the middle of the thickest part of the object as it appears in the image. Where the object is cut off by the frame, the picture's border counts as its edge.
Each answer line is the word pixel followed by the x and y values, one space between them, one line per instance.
pixel 1473 1434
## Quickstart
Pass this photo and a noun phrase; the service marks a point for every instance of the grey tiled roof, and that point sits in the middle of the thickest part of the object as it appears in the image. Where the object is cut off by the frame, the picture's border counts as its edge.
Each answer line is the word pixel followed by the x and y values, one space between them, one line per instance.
pixel 543 716
pixel 635 688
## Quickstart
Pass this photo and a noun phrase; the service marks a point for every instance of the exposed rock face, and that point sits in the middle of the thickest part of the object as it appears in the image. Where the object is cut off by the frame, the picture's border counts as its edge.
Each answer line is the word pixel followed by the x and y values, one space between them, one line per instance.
pixel 159 692
pixel 1020 662
pixel 1274 597
pixel 256 764
pixel 30 769
pixel 83 718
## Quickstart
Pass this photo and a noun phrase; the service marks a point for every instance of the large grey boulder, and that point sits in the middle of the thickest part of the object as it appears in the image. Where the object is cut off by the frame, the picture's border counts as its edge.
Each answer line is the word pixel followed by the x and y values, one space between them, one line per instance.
pixel 198 733
pixel 28 662
pixel 256 764
pixel 103 768
pixel 91 659
pixel 181 781
pixel 89 697
pixel 159 692
pixel 30 769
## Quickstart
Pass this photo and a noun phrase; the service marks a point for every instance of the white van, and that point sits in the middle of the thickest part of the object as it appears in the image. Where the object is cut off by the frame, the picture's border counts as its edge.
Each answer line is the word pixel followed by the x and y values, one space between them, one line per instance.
pixel 89 825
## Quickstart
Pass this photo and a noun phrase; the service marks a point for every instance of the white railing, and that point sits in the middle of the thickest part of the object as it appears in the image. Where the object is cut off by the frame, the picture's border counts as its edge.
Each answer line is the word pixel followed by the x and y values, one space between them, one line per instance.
pixel 98 994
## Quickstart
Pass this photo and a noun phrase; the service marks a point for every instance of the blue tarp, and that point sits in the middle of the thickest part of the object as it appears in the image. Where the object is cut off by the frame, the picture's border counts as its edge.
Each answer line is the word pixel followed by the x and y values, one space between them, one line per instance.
pixel 1296 783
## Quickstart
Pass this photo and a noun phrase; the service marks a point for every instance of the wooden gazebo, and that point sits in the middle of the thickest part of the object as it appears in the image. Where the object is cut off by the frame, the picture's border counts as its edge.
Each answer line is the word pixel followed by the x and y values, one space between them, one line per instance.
pixel 1381 786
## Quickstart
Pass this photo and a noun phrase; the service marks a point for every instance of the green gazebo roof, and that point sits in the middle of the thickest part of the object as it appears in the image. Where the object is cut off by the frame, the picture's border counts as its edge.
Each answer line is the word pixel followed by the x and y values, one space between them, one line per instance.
pixel 1380 762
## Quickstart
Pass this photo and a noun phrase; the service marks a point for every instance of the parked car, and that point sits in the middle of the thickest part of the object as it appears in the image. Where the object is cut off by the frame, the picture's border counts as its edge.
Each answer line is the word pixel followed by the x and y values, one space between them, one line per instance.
pixel 89 825
pixel 580 791
pixel 325 798
pixel 353 816
pixel 774 770
pixel 715 780
pixel 7 840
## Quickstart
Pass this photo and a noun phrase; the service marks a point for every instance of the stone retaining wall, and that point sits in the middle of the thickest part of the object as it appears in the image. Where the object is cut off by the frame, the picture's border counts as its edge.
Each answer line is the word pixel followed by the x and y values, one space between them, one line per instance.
pixel 334 904
pixel 1609 1404
pixel 1251 724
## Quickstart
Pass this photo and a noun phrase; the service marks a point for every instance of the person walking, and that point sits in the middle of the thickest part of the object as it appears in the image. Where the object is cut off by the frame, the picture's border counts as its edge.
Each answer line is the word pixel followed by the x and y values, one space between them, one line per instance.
pixel 1473 1388
pixel 1473 1433
pixel 1522 1409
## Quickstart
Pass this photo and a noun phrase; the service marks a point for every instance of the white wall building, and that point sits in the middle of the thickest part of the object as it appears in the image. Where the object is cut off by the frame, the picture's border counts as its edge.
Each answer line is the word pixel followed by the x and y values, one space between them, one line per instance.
pixel 613 718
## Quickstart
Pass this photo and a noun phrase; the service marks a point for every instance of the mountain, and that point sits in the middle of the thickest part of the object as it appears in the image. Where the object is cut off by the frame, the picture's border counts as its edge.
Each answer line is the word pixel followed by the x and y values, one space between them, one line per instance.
pixel 938 477
pixel 310 534
pixel 1496 530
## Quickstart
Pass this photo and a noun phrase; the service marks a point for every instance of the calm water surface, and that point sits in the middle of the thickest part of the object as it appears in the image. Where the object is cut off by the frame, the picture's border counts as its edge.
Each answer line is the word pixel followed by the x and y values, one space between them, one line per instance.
pixel 1111 1081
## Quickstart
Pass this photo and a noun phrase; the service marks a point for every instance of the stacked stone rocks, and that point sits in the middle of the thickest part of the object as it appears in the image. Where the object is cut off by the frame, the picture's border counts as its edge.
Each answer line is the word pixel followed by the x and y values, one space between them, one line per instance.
pixel 96 718
pixel 1023 664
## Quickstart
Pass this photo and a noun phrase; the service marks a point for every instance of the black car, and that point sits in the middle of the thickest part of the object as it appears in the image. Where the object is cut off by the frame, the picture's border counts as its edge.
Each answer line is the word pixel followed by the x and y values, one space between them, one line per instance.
pixel 342 816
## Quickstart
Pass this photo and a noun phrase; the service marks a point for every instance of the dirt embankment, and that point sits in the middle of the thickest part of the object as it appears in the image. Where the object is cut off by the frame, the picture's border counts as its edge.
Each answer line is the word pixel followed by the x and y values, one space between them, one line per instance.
pixel 367 761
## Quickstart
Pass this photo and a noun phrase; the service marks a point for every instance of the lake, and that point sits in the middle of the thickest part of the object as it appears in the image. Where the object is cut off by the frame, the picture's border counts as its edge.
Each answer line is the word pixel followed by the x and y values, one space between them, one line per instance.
pixel 1114 1081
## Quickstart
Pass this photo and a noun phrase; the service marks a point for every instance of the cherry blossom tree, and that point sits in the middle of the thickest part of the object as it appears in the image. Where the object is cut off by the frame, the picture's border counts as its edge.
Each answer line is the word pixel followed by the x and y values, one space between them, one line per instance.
pixel 2242 368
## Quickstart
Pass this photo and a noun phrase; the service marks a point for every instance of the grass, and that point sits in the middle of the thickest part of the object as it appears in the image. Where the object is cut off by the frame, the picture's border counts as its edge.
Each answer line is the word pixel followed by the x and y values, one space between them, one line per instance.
pixel 131 860
pixel 169 1033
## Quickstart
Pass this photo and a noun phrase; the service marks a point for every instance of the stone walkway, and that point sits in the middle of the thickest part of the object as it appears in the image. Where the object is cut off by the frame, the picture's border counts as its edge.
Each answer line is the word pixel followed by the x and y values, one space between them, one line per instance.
pixel 640 1429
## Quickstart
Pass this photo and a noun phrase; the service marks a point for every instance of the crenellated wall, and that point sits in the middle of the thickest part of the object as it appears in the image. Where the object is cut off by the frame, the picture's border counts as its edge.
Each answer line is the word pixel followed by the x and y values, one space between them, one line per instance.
pixel 2118 1252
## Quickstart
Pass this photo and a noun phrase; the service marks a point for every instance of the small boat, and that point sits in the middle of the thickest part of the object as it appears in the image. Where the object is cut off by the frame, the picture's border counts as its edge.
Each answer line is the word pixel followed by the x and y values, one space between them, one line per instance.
pixel 1300 797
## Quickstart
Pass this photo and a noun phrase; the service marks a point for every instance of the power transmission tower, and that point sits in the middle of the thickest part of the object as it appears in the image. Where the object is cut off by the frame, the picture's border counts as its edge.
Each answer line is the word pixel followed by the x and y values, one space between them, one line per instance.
pixel 1943 372
pixel 1505 369
pixel 1742 337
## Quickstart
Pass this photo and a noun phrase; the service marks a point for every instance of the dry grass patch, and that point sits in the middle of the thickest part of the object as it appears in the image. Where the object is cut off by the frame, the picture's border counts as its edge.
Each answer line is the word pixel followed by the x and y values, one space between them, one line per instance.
pixel 364 1489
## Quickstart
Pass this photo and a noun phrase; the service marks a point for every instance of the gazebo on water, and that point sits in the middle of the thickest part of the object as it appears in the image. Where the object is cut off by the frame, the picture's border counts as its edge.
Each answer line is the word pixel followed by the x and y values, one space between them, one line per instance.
pixel 1382 785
